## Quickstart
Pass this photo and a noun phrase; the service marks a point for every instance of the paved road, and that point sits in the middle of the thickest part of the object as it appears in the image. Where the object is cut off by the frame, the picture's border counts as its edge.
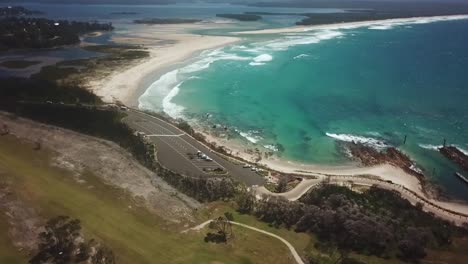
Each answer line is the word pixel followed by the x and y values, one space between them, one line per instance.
pixel 176 150
pixel 293 251
pixel 458 216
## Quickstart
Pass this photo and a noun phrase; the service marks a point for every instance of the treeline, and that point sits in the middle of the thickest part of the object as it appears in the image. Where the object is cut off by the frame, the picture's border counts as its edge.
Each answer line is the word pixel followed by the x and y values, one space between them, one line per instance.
pixel 377 222
pixel 203 189
pixel 241 17
pixel 25 33
pixel 21 89
pixel 17 11
pixel 163 21
pixel 63 242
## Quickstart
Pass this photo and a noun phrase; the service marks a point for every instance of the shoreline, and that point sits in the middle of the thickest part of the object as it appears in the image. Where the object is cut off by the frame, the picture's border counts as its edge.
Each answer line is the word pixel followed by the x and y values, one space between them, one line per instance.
pixel 172 47
pixel 384 23
pixel 128 85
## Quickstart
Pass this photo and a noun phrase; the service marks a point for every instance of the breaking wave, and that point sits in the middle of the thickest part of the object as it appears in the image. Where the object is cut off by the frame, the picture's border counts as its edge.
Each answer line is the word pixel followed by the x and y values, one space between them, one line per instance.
pixel 173 110
pixel 430 147
pixel 301 56
pixel 261 59
pixel 271 147
pixel 371 142
pixel 251 136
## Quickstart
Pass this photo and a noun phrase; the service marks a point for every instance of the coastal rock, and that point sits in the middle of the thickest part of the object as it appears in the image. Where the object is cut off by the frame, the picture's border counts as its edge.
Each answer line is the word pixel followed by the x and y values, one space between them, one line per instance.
pixel 455 155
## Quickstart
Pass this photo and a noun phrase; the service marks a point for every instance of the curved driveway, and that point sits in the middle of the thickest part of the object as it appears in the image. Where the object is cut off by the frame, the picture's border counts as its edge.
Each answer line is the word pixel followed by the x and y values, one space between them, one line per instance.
pixel 293 251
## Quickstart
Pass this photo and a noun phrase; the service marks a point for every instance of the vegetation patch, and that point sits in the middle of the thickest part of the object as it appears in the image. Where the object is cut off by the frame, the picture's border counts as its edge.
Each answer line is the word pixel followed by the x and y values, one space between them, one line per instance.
pixel 18 64
pixel 164 21
pixel 35 33
pixel 375 222
pixel 241 17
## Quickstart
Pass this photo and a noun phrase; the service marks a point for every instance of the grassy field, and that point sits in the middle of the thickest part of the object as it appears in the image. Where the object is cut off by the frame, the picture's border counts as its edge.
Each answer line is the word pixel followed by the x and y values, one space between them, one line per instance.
pixel 111 216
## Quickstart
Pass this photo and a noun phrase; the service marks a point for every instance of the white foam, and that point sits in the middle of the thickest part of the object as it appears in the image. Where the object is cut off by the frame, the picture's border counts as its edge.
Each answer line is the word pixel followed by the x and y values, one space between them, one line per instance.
pixel 301 56
pixel 263 58
pixel 157 90
pixel 464 151
pixel 415 169
pixel 173 110
pixel 256 63
pixel 161 92
pixel 271 147
pixel 386 23
pixel 372 142
pixel 430 147
pixel 391 23
pixel 302 39
pixel 381 27
pixel 250 136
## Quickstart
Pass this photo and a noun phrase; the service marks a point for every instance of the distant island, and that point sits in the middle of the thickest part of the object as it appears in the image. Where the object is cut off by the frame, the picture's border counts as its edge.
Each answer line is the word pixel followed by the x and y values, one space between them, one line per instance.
pixel 18 11
pixel 32 33
pixel 124 13
pixel 241 17
pixel 163 21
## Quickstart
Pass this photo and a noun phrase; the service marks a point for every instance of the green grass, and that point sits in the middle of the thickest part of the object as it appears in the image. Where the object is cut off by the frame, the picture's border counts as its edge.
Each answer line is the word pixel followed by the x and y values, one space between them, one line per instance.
pixel 18 64
pixel 135 235
pixel 8 254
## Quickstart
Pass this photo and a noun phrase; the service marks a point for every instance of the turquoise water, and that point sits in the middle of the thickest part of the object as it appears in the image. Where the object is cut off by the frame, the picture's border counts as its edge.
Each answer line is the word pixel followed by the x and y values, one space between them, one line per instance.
pixel 301 93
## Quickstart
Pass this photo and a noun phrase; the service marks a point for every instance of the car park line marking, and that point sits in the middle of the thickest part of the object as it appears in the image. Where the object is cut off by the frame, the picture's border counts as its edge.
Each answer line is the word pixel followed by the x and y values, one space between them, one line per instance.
pixel 199 165
pixel 186 142
pixel 156 135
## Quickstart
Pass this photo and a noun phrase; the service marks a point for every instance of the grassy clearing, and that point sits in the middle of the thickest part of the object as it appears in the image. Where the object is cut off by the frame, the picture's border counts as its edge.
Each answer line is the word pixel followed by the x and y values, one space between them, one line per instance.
pixel 18 64
pixel 111 216
pixel 8 254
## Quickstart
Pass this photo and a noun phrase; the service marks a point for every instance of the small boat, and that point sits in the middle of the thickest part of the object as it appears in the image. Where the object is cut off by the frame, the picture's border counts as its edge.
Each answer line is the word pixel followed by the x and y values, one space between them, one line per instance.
pixel 459 175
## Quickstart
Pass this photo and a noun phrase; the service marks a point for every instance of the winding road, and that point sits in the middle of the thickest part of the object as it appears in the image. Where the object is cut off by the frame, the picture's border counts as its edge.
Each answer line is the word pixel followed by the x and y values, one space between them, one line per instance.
pixel 293 251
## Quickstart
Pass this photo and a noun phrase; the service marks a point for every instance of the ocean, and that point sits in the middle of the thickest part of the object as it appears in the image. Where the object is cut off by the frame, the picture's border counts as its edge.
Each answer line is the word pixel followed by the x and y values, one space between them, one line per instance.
pixel 300 94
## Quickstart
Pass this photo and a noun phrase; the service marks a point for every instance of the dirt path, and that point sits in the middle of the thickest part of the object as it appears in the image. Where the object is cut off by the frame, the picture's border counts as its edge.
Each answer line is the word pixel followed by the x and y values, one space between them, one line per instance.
pixel 293 251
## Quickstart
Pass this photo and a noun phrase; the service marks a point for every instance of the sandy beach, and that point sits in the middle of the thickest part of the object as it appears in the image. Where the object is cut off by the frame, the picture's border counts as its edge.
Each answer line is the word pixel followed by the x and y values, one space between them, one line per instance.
pixel 168 45
pixel 376 24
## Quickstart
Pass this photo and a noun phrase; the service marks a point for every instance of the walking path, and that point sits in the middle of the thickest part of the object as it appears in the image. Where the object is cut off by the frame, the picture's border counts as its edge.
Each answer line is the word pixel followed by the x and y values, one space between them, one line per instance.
pixel 457 213
pixel 293 251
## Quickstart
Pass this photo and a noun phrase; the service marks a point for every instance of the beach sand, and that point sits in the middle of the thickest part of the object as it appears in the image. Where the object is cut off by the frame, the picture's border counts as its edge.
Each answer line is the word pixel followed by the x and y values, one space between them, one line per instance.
pixel 378 24
pixel 167 45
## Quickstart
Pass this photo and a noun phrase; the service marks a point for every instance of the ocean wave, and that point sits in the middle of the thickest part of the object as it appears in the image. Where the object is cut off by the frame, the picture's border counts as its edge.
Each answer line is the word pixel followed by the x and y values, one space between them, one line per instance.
pixel 302 39
pixel 430 147
pixel 256 63
pixel 261 59
pixel 372 142
pixel 251 136
pixel 301 56
pixel 157 90
pixel 208 58
pixel 162 91
pixel 173 110
pixel 381 27
pixel 464 151
pixel 389 24
pixel 271 147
